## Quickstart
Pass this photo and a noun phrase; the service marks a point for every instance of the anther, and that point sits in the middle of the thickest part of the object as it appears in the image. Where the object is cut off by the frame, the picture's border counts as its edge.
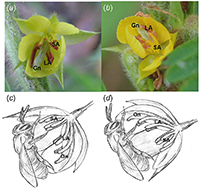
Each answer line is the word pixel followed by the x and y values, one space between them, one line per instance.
pixel 35 48
pixel 50 57
pixel 54 44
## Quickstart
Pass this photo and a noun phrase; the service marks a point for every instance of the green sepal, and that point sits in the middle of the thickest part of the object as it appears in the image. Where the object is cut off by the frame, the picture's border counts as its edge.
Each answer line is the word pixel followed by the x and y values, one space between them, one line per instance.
pixel 79 37
pixel 176 10
pixel 130 62
pixel 18 65
pixel 59 74
pixel 120 48
pixel 53 19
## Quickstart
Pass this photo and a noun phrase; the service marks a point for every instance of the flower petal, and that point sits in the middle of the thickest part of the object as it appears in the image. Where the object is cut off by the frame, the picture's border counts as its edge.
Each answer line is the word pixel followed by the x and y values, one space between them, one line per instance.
pixel 168 155
pixel 45 68
pixel 145 63
pixel 156 63
pixel 60 53
pixel 134 43
pixel 38 23
pixel 22 26
pixel 26 46
pixel 162 33
pixel 64 28
pixel 173 37
pixel 121 30
pixel 168 49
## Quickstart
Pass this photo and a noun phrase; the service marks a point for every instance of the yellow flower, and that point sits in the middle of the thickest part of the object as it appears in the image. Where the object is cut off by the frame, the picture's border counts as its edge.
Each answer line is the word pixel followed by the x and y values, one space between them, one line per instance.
pixel 149 39
pixel 44 46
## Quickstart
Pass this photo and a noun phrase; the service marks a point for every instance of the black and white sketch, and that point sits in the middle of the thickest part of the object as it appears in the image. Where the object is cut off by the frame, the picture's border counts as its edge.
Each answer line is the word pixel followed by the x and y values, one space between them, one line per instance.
pixel 48 140
pixel 146 137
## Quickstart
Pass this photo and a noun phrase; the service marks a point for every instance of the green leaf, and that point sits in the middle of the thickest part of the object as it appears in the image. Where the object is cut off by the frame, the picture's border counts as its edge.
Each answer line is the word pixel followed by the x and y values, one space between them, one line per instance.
pixel 103 88
pixel 191 7
pixel 59 74
pixel 183 51
pixel 7 87
pixel 182 69
pixel 120 48
pixel 79 37
pixel 190 84
pixel 183 65
pixel 176 10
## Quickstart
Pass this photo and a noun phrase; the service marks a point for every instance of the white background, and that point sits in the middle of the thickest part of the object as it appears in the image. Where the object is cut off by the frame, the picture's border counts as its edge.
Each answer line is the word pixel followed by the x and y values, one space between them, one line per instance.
pixel 101 167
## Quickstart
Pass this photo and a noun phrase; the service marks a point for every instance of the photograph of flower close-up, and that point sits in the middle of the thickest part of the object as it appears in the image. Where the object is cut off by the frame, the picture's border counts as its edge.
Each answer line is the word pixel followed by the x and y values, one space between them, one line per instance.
pixel 150 46
pixel 52 46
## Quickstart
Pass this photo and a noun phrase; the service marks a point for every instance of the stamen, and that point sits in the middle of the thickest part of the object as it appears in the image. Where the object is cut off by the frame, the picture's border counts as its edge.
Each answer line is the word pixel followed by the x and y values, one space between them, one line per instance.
pixel 140 39
pixel 35 48
pixel 50 57
pixel 54 44
pixel 142 26
pixel 144 43
pixel 146 46
pixel 149 31
pixel 154 33
pixel 44 47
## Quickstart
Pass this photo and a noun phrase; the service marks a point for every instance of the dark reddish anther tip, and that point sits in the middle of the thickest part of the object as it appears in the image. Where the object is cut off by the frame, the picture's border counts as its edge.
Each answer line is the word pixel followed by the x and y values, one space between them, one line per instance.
pixel 53 46
pixel 35 48
pixel 50 57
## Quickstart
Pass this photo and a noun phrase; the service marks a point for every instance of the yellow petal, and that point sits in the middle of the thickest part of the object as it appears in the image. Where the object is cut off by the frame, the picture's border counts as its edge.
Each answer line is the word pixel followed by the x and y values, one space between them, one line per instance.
pixel 60 53
pixel 38 23
pixel 26 46
pixel 145 63
pixel 121 29
pixel 46 69
pixel 156 63
pixel 39 72
pixel 64 28
pixel 173 37
pixel 22 26
pixel 162 33
pixel 168 48
pixel 134 43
